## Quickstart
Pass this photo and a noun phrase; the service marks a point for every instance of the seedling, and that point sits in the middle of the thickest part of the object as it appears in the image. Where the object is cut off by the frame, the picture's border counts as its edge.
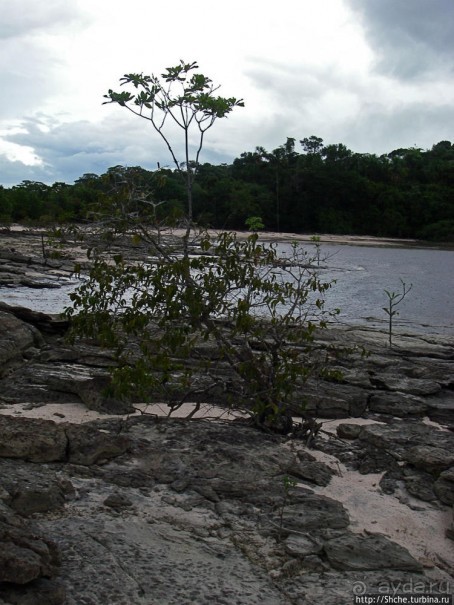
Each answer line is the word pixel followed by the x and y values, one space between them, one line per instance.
pixel 289 483
pixel 394 299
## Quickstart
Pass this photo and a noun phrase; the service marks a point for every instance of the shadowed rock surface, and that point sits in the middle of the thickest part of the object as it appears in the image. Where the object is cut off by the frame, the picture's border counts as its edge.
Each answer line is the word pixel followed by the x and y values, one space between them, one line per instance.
pixel 147 511
pixel 189 512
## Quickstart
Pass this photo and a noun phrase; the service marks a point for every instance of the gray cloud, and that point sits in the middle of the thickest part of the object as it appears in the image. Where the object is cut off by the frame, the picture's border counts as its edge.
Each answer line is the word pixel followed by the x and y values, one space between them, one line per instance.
pixel 28 16
pixel 30 69
pixel 25 83
pixel 72 149
pixel 415 125
pixel 410 38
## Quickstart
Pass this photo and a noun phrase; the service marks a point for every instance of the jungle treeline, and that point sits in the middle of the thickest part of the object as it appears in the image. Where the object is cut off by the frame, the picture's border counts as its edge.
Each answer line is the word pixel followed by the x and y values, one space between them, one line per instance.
pixel 302 186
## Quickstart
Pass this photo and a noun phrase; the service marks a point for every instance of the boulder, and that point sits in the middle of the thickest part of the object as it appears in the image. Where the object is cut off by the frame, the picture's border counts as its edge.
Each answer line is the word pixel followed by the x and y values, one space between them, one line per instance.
pixel 429 458
pixel 16 338
pixel 398 436
pixel 117 501
pixel 43 322
pixel 25 556
pixel 308 469
pixel 29 488
pixel 444 486
pixel 348 431
pixel 61 382
pixel 366 553
pixel 312 512
pixel 32 439
pixel 373 459
pixel 335 400
pixel 419 484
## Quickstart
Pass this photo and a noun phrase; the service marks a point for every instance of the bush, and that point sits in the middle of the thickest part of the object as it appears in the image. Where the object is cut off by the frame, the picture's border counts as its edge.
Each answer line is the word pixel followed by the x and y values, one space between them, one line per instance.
pixel 218 319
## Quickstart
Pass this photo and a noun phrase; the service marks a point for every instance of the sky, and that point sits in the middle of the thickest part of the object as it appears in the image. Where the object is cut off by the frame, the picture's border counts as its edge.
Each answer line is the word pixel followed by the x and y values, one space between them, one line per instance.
pixel 375 75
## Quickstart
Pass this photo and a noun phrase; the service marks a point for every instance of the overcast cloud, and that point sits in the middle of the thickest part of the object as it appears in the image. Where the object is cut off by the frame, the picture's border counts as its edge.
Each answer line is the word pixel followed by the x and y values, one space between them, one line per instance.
pixel 375 75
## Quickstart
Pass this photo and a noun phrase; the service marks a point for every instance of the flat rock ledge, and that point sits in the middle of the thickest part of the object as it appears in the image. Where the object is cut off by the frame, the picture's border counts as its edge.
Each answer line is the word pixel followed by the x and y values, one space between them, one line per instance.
pixel 152 511
pixel 169 512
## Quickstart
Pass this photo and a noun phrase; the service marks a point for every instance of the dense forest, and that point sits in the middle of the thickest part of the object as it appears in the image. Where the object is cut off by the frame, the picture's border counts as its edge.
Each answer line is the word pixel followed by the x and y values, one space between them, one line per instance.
pixel 318 189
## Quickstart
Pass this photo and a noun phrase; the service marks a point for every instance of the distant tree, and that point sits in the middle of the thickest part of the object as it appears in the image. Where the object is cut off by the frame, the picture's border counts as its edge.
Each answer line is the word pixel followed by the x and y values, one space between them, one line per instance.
pixel 29 200
pixel 254 223
pixel 5 206
pixel 312 145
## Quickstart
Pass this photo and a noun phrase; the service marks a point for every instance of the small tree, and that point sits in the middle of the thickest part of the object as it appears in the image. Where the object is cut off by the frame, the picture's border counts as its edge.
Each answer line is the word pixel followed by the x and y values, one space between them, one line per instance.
pixel 221 319
pixel 394 299
pixel 254 223
pixel 184 98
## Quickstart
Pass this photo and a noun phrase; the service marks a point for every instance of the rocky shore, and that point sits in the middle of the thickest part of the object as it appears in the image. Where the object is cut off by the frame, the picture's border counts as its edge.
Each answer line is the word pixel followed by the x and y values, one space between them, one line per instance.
pixel 101 504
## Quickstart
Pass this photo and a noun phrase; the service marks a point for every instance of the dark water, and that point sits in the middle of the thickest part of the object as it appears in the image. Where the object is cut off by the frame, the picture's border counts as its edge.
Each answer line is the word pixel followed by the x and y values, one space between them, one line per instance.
pixel 362 273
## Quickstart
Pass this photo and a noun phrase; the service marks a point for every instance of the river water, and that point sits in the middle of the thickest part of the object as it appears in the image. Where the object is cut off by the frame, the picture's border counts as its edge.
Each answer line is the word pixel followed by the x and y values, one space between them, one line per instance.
pixel 362 273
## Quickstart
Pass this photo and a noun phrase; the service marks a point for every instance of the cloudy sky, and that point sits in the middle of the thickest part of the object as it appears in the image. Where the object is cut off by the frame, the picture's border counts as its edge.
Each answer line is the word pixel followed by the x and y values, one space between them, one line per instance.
pixel 375 75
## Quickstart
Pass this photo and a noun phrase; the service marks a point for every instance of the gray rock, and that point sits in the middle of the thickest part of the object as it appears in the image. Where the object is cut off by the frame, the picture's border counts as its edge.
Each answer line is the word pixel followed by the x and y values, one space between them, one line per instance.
pixel 413 386
pixel 450 530
pixel 24 556
pixel 87 446
pixel 339 587
pixel 367 553
pixel 302 545
pixel 42 322
pixel 441 408
pixel 444 486
pixel 314 512
pixel 30 488
pixel 27 500
pixel 335 400
pixel 398 404
pixel 16 338
pixel 374 460
pixel 92 394
pixel 39 592
pixel 311 471
pixel 389 483
pixel 117 501
pixel 429 458
pixel 419 484
pixel 398 436
pixel 348 431
pixel 190 519
pixel 61 382
pixel 30 439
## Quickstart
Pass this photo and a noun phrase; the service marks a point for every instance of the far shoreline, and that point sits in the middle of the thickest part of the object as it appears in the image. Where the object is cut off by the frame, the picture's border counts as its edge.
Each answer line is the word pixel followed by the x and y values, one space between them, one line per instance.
pixel 345 240
pixel 284 237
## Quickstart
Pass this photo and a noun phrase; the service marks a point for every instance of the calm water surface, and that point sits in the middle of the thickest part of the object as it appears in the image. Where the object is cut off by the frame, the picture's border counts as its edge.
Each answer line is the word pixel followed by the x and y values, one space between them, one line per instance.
pixel 362 273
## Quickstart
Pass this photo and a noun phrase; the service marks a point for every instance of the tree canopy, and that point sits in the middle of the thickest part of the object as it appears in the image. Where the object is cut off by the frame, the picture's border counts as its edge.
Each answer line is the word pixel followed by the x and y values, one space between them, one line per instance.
pixel 300 187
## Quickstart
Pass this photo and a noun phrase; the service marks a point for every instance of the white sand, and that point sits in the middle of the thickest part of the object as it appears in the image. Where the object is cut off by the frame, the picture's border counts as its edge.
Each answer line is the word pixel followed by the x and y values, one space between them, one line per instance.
pixel 420 529
pixel 77 413
pixel 325 238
